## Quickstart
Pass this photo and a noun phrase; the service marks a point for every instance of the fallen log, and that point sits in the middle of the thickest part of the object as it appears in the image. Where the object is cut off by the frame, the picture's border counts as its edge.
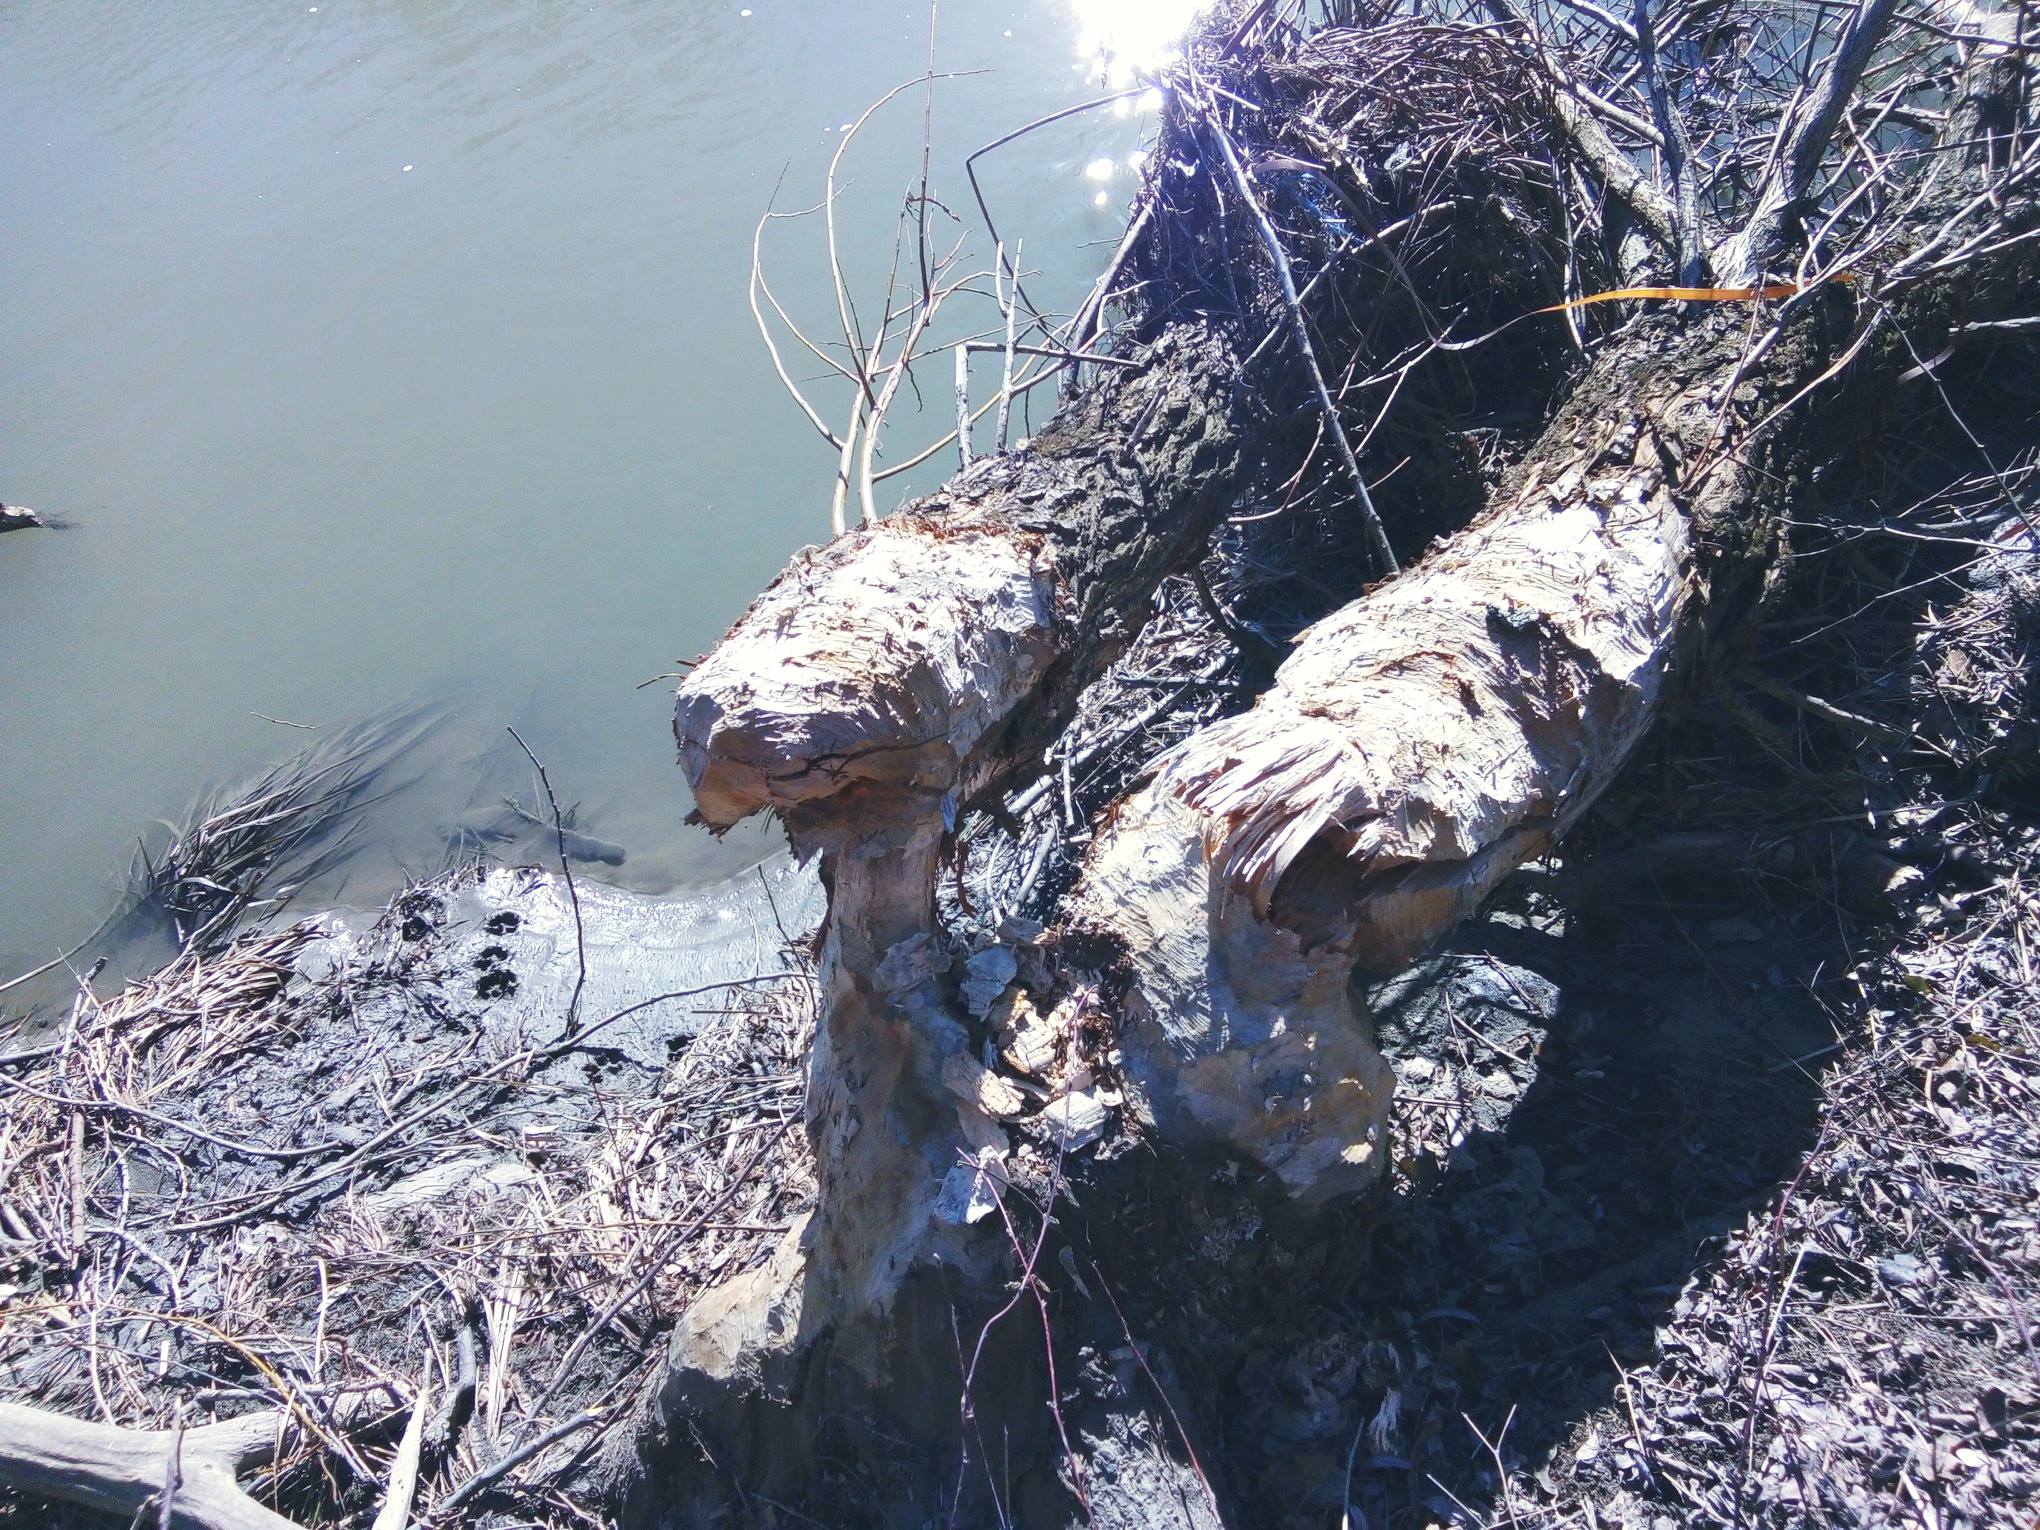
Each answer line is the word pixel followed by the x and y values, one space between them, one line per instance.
pixel 878 686
pixel 1431 738
pixel 887 679
pixel 923 655
pixel 1415 749
pixel 1427 741
pixel 195 1473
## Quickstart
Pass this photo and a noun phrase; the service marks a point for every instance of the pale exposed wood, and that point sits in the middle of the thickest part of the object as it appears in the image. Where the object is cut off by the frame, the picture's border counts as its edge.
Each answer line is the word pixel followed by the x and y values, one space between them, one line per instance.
pixel 884 662
pixel 882 682
pixel 1417 747
pixel 883 1122
pixel 1426 740
pixel 875 665
pixel 119 1471
pixel 395 1512
pixel 1231 1034
pixel 1030 1043
pixel 970 1080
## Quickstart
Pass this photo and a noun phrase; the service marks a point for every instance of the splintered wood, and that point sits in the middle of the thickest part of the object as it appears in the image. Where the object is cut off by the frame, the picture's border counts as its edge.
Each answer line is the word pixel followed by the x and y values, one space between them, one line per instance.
pixel 1428 739
pixel 1418 746
pixel 884 681
pixel 892 653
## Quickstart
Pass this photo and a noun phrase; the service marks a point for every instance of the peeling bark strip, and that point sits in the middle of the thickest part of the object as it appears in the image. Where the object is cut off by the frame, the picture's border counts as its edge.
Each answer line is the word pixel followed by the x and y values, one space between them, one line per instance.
pixel 884 680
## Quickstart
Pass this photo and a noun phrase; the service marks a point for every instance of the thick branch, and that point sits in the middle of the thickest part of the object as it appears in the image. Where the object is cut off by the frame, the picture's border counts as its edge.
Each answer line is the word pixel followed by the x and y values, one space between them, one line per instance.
pixel 1676 145
pixel 1801 141
pixel 1635 190
pixel 120 1471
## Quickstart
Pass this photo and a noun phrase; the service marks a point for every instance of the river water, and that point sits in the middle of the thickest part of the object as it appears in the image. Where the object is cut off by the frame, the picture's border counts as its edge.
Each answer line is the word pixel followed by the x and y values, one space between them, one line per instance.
pixel 396 353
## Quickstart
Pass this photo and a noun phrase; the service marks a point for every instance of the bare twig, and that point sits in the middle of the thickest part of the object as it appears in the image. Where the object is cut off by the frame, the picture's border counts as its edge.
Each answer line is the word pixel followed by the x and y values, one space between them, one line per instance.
pixel 567 872
pixel 1377 534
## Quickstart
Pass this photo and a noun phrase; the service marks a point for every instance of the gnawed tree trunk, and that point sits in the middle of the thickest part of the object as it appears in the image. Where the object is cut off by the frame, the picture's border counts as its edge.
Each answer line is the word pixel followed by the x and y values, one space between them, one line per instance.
pixel 871 692
pixel 1416 748
pixel 1437 734
pixel 885 680
pixel 1429 739
pixel 920 657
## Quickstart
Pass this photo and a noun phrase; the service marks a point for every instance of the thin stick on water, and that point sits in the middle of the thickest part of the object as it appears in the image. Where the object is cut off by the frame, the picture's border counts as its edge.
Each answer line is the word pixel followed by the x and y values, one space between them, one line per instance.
pixel 962 407
pixel 49 966
pixel 1009 301
pixel 977 189
pixel 927 153
pixel 566 871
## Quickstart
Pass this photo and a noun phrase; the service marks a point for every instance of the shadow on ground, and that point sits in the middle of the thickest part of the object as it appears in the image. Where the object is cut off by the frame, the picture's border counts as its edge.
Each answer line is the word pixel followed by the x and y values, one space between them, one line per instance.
pixel 1584 1112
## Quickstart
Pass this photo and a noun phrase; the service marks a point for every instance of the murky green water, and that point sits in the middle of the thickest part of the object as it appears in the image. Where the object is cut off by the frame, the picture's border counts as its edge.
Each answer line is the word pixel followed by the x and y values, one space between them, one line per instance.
pixel 389 351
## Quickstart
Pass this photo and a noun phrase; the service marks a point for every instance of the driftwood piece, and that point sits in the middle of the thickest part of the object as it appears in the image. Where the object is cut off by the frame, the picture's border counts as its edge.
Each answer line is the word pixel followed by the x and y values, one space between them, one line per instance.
pixel 122 1471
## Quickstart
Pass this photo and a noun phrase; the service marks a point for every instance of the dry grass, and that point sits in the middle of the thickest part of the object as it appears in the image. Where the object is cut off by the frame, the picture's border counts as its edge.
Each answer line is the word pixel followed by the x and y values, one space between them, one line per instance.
pixel 224 1192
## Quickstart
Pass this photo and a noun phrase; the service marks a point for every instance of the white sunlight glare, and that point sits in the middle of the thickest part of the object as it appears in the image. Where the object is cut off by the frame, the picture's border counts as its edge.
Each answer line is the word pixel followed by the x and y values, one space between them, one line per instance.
pixel 1126 39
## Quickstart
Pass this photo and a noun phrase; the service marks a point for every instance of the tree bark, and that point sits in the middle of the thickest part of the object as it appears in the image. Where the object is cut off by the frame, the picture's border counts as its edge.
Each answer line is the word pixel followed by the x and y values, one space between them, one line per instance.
pixel 887 679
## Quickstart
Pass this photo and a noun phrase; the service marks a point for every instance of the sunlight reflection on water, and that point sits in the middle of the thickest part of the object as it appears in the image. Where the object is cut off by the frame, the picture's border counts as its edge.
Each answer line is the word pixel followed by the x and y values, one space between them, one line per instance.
pixel 1121 43
pixel 1125 40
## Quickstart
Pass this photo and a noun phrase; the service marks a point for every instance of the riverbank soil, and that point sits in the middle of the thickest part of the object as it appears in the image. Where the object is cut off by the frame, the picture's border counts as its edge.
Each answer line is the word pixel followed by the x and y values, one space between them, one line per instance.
pixel 360 1174
pixel 1711 1188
